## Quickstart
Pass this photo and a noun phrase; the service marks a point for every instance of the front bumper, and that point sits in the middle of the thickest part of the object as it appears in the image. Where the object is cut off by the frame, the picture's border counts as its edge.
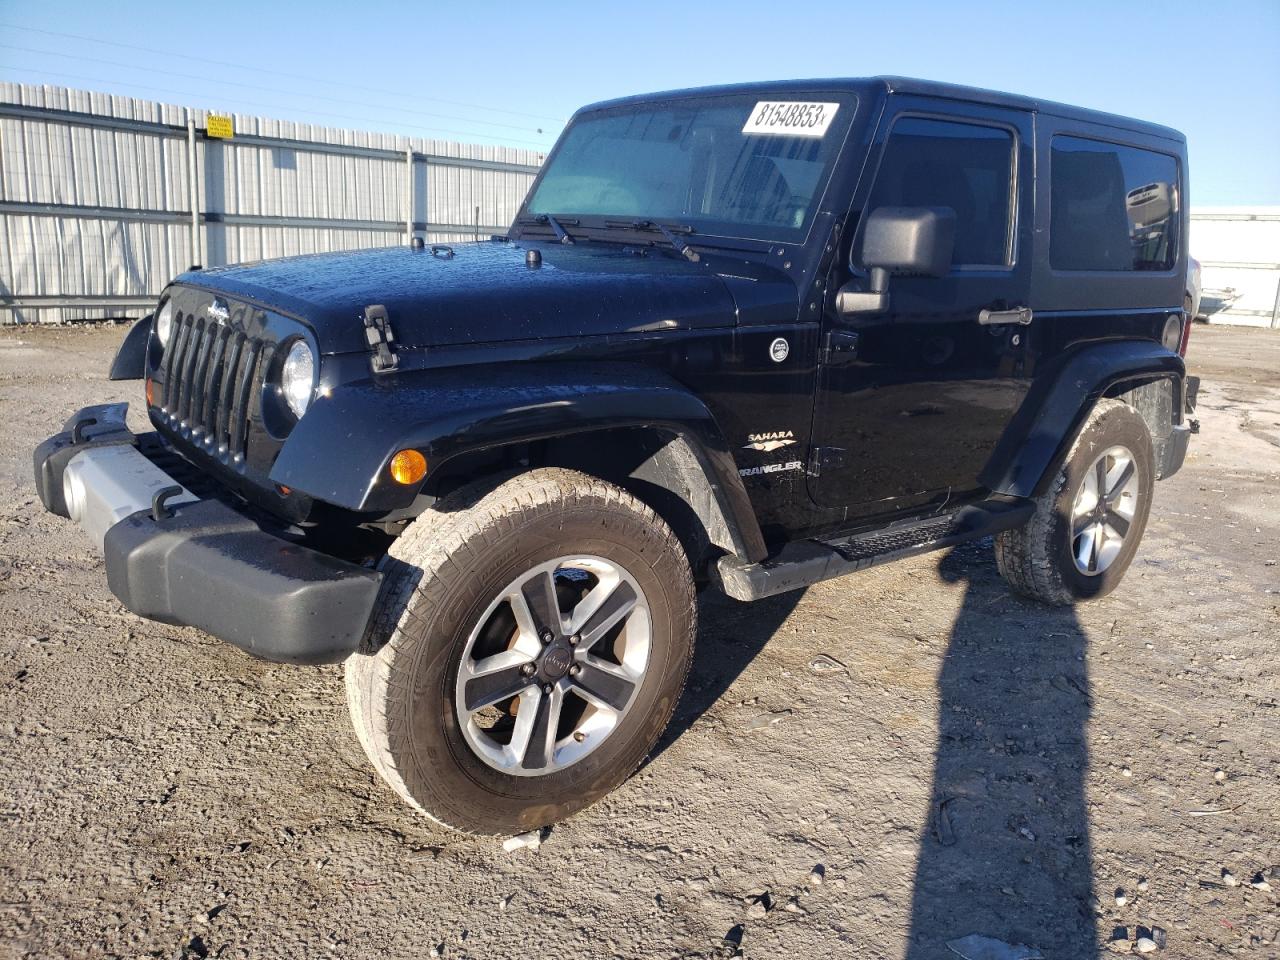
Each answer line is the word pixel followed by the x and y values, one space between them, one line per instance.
pixel 174 557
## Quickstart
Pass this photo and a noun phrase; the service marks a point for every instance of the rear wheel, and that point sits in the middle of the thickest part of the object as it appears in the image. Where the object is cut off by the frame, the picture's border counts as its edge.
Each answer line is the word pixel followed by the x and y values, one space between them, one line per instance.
pixel 532 640
pixel 1088 524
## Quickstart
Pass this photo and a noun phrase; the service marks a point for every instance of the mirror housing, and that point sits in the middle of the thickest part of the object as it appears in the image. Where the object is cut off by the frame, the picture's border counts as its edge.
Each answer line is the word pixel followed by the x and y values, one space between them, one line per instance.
pixel 910 240
pixel 913 241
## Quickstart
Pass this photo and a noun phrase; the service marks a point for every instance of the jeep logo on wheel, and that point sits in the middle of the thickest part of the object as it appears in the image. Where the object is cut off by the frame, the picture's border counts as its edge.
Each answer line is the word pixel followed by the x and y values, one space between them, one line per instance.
pixel 555 663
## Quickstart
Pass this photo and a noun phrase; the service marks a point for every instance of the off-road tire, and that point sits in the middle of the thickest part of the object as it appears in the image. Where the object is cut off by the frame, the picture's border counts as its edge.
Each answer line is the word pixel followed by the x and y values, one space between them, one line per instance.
pixel 1036 559
pixel 440 575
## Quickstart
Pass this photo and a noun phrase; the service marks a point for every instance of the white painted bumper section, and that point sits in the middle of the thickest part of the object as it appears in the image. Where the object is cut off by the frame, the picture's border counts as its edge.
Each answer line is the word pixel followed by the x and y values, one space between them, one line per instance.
pixel 103 485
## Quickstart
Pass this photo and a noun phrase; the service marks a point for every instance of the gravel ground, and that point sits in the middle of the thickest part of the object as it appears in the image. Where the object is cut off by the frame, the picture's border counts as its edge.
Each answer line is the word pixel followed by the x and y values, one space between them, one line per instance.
pixel 915 757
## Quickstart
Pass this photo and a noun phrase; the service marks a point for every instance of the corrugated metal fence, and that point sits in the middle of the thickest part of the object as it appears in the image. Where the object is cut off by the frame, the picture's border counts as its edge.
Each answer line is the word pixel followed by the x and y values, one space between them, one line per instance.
pixel 104 199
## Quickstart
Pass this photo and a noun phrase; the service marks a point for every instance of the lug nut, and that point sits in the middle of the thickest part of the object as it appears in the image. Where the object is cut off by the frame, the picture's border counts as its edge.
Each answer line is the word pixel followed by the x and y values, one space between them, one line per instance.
pixel 546 688
pixel 546 636
pixel 527 669
pixel 575 670
pixel 575 640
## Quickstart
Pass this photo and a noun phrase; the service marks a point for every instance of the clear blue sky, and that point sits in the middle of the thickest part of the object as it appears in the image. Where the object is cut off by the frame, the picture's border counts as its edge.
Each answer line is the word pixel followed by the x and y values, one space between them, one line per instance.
pixel 1211 69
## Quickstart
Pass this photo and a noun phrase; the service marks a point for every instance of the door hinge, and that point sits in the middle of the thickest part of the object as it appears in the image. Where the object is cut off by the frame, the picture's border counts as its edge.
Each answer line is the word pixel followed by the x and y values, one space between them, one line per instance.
pixel 840 345
pixel 829 457
pixel 380 338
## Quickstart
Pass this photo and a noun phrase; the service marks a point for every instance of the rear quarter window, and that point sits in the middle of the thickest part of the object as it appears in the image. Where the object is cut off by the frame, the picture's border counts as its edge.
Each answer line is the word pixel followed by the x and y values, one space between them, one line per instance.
pixel 1112 207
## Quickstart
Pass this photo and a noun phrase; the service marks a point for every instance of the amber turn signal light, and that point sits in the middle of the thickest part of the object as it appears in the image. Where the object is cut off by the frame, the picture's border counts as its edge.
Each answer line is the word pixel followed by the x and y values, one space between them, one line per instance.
pixel 408 466
pixel 151 402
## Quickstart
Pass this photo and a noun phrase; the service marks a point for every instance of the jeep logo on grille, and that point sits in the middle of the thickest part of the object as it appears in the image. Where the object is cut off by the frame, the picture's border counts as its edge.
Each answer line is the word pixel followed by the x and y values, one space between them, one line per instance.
pixel 218 311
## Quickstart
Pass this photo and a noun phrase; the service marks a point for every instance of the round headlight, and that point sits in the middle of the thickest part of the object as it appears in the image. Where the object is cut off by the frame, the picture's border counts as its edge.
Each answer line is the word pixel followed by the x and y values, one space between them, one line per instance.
pixel 164 322
pixel 297 378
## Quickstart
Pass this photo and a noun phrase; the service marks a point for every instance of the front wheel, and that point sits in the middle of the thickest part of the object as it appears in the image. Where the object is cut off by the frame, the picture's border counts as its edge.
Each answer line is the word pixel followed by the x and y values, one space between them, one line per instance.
pixel 532 639
pixel 1088 524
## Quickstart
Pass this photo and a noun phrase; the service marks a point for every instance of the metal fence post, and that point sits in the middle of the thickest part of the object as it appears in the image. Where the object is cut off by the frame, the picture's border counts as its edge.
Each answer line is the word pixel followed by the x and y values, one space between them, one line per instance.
pixel 408 196
pixel 1275 310
pixel 192 192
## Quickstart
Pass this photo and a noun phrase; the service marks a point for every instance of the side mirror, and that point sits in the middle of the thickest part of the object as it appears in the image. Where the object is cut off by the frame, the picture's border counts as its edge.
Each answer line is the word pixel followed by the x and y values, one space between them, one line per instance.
pixel 917 241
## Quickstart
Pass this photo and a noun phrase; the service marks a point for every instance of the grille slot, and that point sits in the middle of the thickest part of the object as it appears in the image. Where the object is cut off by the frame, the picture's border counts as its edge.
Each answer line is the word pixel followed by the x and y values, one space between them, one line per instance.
pixel 211 371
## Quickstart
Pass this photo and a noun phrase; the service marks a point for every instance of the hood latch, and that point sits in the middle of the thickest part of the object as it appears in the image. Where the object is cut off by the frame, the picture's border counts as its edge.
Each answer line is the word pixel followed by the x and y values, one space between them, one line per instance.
pixel 380 338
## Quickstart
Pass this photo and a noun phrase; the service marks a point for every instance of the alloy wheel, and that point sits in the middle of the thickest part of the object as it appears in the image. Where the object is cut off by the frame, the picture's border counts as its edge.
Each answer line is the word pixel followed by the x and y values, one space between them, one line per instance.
pixel 553 665
pixel 1103 510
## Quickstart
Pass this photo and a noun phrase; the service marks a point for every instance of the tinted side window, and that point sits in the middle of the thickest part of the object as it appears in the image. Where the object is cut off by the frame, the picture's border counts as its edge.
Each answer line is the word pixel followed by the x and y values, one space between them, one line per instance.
pixel 1112 207
pixel 965 166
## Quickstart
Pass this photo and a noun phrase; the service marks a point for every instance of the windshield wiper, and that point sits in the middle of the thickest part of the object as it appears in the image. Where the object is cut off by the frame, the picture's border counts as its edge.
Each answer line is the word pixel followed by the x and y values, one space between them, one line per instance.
pixel 670 233
pixel 545 218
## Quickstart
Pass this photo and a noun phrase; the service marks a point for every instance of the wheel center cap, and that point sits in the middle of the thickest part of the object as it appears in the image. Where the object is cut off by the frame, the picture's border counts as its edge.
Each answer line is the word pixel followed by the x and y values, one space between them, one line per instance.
pixel 556 661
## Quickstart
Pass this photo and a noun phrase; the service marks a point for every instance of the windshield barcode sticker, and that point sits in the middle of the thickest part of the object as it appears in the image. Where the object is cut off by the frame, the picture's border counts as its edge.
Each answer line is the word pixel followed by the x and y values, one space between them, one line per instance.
pixel 790 118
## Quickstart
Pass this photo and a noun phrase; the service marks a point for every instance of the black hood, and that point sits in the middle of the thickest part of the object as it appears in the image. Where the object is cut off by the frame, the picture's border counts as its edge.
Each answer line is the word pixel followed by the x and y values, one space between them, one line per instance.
pixel 485 292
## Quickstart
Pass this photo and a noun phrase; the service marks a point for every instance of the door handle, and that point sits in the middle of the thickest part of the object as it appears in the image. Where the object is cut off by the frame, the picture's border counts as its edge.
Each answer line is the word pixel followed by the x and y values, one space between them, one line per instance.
pixel 993 318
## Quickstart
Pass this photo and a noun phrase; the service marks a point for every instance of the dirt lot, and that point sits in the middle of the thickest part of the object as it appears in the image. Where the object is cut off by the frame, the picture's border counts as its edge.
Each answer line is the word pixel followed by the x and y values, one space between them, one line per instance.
pixel 964 763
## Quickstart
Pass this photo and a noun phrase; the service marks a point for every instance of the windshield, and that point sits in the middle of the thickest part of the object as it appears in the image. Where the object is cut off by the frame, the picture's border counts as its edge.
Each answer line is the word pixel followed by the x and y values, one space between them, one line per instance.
pixel 741 166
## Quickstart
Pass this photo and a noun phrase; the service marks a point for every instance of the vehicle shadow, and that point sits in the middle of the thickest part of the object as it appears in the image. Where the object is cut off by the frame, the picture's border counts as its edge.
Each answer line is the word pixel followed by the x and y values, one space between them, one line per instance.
pixel 1006 852
pixel 730 635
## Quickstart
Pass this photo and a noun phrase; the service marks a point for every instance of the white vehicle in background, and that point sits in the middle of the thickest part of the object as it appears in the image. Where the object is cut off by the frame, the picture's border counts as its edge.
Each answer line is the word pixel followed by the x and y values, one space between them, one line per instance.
pixel 1149 205
pixel 1149 208
pixel 1194 288
pixel 1200 303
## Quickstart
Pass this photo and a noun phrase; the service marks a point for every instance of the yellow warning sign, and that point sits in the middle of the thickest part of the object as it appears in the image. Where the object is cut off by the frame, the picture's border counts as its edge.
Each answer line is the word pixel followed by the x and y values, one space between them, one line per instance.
pixel 220 127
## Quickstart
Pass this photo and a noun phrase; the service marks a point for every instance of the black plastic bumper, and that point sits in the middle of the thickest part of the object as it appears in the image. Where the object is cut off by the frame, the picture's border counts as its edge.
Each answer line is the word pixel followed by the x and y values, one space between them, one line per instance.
pixel 1175 446
pixel 206 565
pixel 96 426
pixel 1175 450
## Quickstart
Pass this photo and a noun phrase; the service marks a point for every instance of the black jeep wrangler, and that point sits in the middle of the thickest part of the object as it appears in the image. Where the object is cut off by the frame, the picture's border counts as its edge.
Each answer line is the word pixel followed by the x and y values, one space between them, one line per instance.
pixel 752 336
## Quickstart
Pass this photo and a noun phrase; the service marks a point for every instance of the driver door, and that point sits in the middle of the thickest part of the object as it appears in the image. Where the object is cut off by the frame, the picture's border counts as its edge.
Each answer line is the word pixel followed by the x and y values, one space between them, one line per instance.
pixel 912 400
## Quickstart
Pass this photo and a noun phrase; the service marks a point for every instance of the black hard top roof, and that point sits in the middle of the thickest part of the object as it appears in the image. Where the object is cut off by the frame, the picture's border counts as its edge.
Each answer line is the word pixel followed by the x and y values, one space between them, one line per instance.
pixel 877 86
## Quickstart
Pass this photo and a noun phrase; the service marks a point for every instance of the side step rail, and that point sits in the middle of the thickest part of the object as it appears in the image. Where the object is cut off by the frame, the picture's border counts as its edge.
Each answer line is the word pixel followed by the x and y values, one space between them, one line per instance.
pixel 806 562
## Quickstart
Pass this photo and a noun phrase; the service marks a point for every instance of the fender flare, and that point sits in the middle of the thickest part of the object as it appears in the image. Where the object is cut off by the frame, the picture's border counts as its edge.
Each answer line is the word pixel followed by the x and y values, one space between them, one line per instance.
pixel 340 450
pixel 130 362
pixel 1039 436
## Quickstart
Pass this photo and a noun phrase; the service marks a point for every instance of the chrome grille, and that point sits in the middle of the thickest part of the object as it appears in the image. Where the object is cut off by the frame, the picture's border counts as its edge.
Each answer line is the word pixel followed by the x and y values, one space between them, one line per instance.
pixel 211 371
